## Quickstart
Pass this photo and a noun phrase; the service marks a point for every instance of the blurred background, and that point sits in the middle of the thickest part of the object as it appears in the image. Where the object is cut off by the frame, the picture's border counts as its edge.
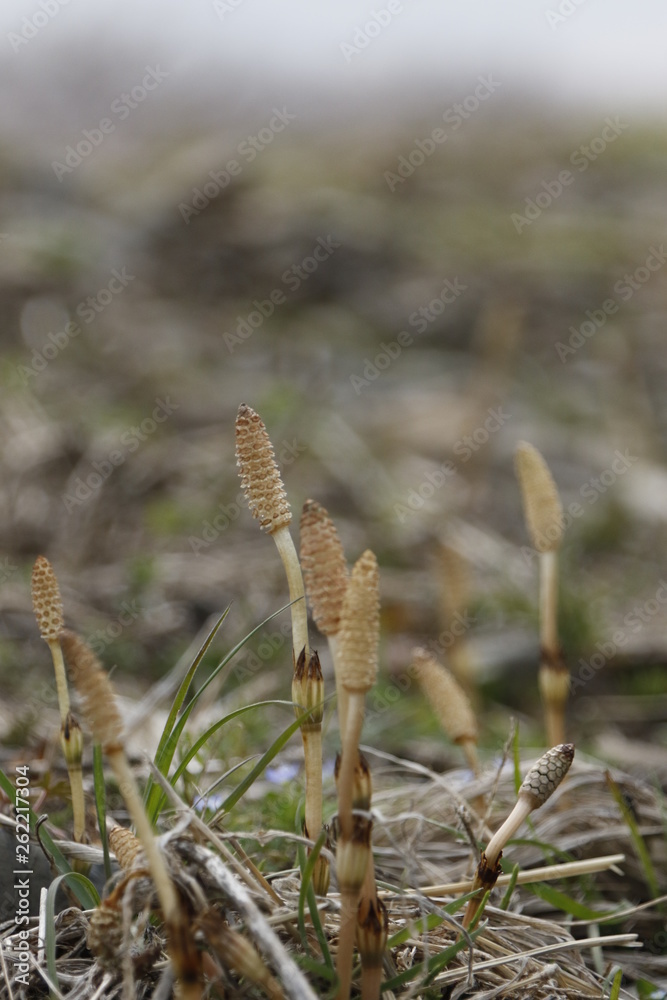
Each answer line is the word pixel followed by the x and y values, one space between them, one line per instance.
pixel 409 235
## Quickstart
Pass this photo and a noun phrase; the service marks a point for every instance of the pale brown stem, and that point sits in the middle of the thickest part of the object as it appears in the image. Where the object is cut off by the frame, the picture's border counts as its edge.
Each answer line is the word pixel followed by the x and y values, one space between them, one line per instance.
pixel 341 694
pixel 78 802
pixel 553 676
pixel 371 981
pixel 487 873
pixel 469 748
pixel 346 936
pixel 312 750
pixel 554 712
pixel 524 806
pixel 61 678
pixel 71 742
pixel 290 559
pixel 549 602
pixel 355 720
pixel 132 797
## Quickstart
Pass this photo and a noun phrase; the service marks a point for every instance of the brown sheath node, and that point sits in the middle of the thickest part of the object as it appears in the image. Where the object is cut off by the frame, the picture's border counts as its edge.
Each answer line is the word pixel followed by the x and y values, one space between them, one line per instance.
pixel 487 875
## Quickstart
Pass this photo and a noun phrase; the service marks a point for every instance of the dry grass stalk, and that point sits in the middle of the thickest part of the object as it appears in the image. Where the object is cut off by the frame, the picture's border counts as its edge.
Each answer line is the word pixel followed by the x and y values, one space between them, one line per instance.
pixel 566 869
pixel 450 703
pixel 539 784
pixel 325 573
pixel 543 513
pixel 48 609
pixel 267 500
pixel 99 704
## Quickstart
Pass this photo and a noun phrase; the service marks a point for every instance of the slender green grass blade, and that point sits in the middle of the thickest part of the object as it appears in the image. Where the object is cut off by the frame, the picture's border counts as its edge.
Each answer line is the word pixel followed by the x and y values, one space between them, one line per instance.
pixel 202 740
pixel 101 806
pixel 561 901
pixel 482 906
pixel 649 991
pixel 165 755
pixel 308 893
pixel 552 854
pixel 432 967
pixel 505 901
pixel 429 922
pixel 616 985
pixel 179 697
pixel 637 839
pixel 265 759
pixel 151 793
pixel 315 968
pixel 50 938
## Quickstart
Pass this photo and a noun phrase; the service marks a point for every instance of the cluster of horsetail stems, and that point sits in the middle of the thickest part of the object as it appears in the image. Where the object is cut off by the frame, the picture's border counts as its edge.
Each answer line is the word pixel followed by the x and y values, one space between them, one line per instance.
pixel 544 521
pixel 346 609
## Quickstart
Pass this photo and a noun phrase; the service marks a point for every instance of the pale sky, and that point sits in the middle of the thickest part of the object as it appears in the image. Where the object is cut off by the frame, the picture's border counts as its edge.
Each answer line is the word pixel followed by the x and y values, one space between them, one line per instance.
pixel 607 54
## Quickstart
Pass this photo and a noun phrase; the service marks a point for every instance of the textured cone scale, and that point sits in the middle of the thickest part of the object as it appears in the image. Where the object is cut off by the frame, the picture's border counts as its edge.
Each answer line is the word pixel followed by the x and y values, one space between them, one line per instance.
pixel 541 504
pixel 359 632
pixel 547 773
pixel 447 697
pixel 105 933
pixel 46 602
pixel 95 690
pixel 125 846
pixel 260 476
pixel 324 568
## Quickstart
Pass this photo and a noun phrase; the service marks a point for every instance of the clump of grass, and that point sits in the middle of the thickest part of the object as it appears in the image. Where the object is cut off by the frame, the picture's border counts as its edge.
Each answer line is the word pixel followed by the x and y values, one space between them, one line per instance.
pixel 198 874
pixel 544 520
